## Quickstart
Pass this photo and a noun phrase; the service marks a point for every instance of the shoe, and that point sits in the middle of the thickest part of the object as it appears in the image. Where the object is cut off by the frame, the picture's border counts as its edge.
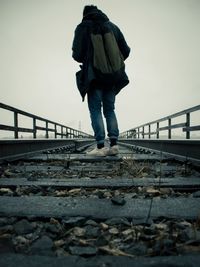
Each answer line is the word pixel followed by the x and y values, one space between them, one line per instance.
pixel 99 152
pixel 113 151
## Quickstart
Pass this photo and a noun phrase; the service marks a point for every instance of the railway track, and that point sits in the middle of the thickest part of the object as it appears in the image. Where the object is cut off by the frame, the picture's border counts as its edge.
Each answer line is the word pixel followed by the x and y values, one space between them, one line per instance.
pixel 61 206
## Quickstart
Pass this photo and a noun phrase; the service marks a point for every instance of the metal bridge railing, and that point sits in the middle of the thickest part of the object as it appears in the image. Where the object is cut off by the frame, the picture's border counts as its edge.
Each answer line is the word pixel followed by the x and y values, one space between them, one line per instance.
pixel 141 132
pixel 57 129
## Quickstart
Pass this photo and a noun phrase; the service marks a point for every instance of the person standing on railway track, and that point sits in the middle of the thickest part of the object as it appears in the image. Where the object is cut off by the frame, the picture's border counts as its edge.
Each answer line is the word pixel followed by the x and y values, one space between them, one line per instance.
pixel 101 92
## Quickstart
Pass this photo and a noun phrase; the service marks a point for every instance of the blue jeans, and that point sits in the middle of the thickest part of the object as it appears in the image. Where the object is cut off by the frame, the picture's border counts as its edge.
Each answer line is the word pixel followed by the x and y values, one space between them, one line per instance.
pixel 98 98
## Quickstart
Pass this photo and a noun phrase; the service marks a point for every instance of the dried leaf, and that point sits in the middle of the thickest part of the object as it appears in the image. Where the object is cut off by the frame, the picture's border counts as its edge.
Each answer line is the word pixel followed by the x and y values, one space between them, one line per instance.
pixel 128 232
pixel 107 195
pixel 78 231
pixel 161 226
pixel 104 226
pixel 144 174
pixel 74 191
pixel 114 251
pixel 82 242
pixel 59 243
pixel 6 190
pixel 166 191
pixel 152 191
pixel 61 193
pixel 129 237
pixel 113 231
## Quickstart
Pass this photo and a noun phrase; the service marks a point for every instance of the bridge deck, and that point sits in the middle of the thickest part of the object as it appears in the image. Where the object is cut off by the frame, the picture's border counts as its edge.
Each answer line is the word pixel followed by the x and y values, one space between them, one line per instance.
pixel 65 207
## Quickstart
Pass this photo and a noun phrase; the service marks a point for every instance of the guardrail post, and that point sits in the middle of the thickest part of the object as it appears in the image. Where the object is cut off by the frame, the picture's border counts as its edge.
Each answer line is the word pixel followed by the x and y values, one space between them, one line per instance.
pixel 169 130
pixel 34 128
pixel 143 132
pixel 187 125
pixel 16 124
pixel 47 132
pixel 61 131
pixel 134 133
pixel 157 131
pixel 55 131
pixel 138 133
pixel 149 131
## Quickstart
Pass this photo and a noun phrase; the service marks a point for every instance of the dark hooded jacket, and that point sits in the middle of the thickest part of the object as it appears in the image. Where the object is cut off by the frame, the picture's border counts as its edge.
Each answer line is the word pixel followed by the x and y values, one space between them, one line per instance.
pixel 82 51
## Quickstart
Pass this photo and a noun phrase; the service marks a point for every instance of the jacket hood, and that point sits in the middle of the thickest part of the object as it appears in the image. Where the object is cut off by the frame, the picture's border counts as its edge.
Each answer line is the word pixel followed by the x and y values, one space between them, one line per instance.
pixel 96 16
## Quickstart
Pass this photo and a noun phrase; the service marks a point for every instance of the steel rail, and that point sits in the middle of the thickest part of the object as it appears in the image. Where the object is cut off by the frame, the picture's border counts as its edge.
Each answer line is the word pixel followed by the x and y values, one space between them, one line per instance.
pixel 180 149
pixel 180 183
pixel 19 148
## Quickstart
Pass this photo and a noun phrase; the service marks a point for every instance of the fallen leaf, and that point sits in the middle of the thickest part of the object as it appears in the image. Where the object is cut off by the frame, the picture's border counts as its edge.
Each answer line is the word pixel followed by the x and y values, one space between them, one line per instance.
pixel 166 191
pixel 161 226
pixel 114 251
pixel 104 226
pixel 59 243
pixel 152 191
pixel 6 191
pixel 74 191
pixel 61 193
pixel 128 231
pixel 78 231
pixel 113 231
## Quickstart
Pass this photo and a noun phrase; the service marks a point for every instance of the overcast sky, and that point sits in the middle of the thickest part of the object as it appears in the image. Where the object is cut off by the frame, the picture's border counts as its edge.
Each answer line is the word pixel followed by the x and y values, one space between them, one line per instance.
pixel 37 72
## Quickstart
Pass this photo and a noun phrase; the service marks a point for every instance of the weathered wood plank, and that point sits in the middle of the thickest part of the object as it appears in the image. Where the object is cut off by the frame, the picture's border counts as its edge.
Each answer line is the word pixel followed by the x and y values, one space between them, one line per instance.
pixel 180 182
pixel 87 158
pixel 12 260
pixel 188 208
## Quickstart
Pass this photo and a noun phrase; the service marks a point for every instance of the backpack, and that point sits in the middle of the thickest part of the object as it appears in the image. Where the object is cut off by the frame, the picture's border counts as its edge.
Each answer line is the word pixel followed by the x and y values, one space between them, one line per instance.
pixel 107 59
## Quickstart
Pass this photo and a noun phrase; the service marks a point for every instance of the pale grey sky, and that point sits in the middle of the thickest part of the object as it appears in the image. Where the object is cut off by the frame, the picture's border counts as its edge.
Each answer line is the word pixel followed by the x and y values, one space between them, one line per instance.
pixel 37 72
